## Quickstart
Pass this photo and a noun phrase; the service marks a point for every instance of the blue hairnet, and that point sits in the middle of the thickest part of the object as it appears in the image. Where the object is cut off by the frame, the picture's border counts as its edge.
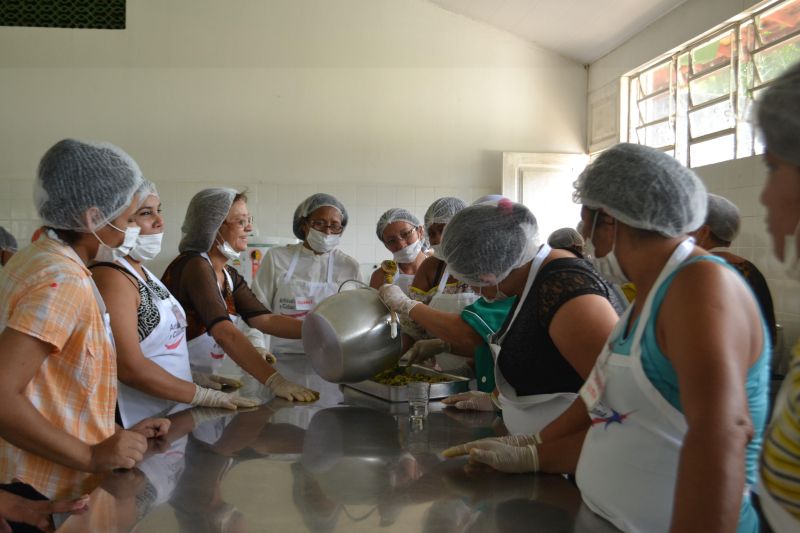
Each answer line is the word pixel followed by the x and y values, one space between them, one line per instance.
pixel 442 210
pixel 484 243
pixel 76 176
pixel 311 204
pixel 396 214
pixel 7 241
pixel 204 216
pixel 778 115
pixel 643 188
pixel 722 218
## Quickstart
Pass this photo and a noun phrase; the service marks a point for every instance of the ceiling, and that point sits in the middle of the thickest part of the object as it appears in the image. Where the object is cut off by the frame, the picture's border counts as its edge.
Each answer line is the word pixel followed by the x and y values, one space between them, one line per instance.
pixel 583 30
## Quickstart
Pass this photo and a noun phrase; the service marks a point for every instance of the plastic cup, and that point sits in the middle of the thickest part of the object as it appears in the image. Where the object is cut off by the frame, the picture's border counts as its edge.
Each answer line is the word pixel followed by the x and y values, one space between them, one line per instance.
pixel 418 393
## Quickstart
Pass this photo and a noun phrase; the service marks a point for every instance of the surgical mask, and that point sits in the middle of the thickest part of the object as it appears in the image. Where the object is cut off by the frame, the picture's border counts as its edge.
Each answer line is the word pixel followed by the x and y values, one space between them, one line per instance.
pixel 436 251
pixel 499 296
pixel 228 251
pixel 147 247
pixel 791 261
pixel 108 254
pixel 322 242
pixel 607 266
pixel 409 253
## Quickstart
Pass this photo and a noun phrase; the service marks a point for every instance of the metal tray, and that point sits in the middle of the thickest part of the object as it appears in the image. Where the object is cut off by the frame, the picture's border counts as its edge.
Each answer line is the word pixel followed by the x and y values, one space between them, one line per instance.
pixel 395 393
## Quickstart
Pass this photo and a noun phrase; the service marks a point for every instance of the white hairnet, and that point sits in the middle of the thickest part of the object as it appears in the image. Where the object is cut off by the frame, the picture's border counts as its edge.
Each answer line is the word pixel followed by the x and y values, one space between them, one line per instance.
pixel 484 243
pixel 76 176
pixel 204 216
pixel 396 214
pixel 722 218
pixel 778 115
pixel 489 199
pixel 147 188
pixel 442 210
pixel 7 241
pixel 311 204
pixel 643 188
pixel 565 238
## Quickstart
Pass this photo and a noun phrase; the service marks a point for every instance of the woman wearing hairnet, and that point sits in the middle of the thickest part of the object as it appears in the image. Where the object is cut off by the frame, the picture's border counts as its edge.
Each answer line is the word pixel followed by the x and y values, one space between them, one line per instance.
pixel 540 363
pixel 779 121
pixel 716 235
pixel 678 397
pixel 8 246
pixel 402 234
pixel 58 386
pixel 215 296
pixel 149 327
pixel 293 279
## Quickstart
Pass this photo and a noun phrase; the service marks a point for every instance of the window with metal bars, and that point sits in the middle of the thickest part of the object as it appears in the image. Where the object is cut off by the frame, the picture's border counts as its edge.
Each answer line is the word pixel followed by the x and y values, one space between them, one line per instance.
pixel 695 103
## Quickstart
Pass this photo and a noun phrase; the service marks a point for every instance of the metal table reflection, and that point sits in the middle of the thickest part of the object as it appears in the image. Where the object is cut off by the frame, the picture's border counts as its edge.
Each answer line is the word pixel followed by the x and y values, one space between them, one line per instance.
pixel 349 462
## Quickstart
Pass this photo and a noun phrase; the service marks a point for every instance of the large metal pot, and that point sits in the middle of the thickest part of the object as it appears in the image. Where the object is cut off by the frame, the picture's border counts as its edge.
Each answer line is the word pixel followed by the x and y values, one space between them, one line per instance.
pixel 348 336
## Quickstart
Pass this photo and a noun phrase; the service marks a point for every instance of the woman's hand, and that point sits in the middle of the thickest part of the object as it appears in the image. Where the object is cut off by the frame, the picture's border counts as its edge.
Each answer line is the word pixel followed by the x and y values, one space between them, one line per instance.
pixel 395 299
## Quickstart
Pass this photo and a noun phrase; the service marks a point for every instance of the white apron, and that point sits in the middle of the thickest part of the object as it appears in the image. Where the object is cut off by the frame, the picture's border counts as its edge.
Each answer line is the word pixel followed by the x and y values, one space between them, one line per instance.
pixel 165 346
pixel 527 414
pixel 205 355
pixel 451 303
pixel 296 297
pixel 402 280
pixel 629 462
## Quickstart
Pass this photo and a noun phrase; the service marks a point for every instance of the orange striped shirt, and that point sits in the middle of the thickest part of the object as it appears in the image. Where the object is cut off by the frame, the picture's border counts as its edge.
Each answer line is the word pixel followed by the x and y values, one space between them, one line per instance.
pixel 46 292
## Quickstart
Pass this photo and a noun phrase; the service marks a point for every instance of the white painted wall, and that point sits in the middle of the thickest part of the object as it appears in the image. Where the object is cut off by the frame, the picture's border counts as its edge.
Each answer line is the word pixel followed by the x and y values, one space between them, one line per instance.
pixel 740 180
pixel 381 102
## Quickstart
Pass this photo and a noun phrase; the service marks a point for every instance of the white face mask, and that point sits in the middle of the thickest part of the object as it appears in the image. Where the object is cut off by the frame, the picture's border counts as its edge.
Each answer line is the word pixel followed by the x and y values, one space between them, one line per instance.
pixel 322 242
pixel 791 261
pixel 409 253
pixel 228 251
pixel 607 266
pixel 108 254
pixel 147 247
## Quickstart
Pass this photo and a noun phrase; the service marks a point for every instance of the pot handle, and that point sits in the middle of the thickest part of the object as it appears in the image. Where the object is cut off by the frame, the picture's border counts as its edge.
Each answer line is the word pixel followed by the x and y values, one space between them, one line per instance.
pixel 345 282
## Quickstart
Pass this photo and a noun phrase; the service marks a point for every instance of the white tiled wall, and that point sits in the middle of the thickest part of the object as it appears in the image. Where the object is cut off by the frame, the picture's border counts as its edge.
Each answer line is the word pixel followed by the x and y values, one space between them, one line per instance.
pixel 741 182
pixel 271 204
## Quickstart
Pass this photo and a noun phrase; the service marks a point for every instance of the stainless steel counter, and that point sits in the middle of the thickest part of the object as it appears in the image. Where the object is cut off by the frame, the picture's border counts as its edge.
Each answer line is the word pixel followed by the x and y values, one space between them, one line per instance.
pixel 349 462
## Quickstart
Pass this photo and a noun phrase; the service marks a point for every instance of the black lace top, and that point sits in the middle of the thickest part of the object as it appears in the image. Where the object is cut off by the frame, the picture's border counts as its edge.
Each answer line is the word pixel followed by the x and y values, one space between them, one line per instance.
pixel 529 360
pixel 756 280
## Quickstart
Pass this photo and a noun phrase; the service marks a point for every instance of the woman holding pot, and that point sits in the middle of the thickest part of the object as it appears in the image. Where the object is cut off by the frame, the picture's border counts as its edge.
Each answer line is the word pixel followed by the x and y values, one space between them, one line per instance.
pixel 215 296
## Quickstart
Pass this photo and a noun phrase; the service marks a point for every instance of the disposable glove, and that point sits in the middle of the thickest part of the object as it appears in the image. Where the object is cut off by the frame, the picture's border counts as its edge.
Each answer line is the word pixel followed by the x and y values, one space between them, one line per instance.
pixel 501 456
pixel 510 440
pixel 213 398
pixel 268 357
pixel 395 299
pixel 473 400
pixel 425 349
pixel 284 388
pixel 212 381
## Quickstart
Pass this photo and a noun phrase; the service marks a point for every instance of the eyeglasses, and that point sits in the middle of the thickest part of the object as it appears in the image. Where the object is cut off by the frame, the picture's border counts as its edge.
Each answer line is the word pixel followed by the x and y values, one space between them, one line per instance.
pixel 322 225
pixel 402 237
pixel 242 222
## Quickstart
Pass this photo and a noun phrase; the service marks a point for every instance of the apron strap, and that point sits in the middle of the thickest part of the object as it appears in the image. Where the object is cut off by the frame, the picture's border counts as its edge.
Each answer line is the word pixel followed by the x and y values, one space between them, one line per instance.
pixel 296 258
pixel 330 267
pixel 541 255
pixel 443 281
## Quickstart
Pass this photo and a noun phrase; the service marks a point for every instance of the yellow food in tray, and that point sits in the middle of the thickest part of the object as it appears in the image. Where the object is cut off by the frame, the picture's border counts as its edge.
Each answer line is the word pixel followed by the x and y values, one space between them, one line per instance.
pixel 399 376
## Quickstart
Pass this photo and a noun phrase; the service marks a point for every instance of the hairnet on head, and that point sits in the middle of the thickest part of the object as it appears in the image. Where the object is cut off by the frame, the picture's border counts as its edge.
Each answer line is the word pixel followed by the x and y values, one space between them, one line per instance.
pixel 396 214
pixel 204 216
pixel 484 243
pixel 311 204
pixel 722 218
pixel 147 188
pixel 643 188
pixel 442 210
pixel 76 176
pixel 489 199
pixel 565 238
pixel 7 241
pixel 778 115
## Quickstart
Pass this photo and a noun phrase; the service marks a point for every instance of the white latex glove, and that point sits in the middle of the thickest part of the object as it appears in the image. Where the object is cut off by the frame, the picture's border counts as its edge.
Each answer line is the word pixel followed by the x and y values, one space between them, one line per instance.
pixel 473 400
pixel 204 397
pixel 510 440
pixel 268 357
pixel 395 299
pixel 212 381
pixel 501 456
pixel 284 388
pixel 425 349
